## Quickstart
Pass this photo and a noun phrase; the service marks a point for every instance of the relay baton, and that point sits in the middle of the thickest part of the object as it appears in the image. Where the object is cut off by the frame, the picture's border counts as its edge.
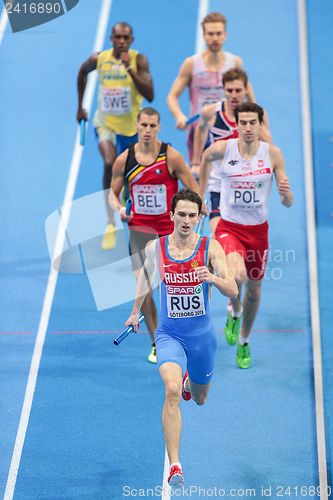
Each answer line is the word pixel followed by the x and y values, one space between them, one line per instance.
pixel 126 332
pixel 82 131
pixel 128 206
pixel 192 119
pixel 201 224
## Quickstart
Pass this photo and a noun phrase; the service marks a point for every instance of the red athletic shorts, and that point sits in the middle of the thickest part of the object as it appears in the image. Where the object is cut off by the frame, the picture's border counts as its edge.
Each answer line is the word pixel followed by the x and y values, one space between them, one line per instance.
pixel 251 242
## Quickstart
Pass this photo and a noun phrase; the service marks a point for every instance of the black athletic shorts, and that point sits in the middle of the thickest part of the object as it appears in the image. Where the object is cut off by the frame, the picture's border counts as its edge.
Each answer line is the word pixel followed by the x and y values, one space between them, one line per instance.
pixel 137 244
pixel 215 205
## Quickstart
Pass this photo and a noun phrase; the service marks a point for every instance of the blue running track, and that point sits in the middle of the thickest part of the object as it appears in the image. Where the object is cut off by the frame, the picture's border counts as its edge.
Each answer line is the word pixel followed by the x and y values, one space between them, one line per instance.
pixel 94 431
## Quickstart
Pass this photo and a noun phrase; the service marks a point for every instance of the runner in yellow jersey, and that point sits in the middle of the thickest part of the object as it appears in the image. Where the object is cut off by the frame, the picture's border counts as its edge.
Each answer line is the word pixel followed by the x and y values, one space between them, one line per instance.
pixel 124 80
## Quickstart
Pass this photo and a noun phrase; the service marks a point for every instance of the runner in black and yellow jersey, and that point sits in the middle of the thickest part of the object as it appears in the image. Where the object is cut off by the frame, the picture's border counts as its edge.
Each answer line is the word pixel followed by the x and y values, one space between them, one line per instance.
pixel 124 80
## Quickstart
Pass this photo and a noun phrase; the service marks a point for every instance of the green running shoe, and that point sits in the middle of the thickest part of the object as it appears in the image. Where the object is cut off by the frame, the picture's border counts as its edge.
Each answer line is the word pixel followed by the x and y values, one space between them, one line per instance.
pixel 231 329
pixel 243 356
pixel 152 355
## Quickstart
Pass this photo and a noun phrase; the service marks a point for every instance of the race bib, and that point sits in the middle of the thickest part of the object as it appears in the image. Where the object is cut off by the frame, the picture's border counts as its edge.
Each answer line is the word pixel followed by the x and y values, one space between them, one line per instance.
pixel 246 195
pixel 150 200
pixel 116 101
pixel 211 96
pixel 185 301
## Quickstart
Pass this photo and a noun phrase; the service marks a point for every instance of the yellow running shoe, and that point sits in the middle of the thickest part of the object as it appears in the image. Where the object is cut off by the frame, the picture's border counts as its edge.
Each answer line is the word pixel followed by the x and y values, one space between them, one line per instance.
pixel 109 238
pixel 152 355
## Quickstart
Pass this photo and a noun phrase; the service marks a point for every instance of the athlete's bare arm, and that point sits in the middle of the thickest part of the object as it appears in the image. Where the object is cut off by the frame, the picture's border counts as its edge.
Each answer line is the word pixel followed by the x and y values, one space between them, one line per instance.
pixel 183 80
pixel 250 92
pixel 142 78
pixel 214 152
pixel 88 66
pixel 206 121
pixel 264 131
pixel 117 184
pixel 178 168
pixel 144 284
pixel 224 279
pixel 281 178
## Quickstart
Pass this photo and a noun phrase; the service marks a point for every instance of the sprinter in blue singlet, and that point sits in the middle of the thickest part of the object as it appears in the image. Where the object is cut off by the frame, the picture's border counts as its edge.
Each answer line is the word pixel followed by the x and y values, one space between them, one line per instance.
pixel 185 338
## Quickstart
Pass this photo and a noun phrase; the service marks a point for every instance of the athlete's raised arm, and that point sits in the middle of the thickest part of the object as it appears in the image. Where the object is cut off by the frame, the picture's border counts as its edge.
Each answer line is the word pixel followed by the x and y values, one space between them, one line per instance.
pixel 117 184
pixel 281 178
pixel 144 284
pixel 249 89
pixel 264 129
pixel 182 80
pixel 178 168
pixel 214 152
pixel 86 67
pixel 223 280
pixel 201 132
pixel 142 78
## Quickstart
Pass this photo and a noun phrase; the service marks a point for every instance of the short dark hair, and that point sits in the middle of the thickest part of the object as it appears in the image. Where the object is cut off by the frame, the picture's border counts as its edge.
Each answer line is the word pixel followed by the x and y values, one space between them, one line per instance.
pixel 250 107
pixel 186 195
pixel 123 24
pixel 214 17
pixel 234 74
pixel 150 112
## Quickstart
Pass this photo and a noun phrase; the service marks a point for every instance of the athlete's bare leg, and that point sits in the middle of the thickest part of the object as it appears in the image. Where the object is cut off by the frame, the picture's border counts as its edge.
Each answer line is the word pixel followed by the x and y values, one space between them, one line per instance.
pixel 251 303
pixel 171 374
pixel 213 223
pixel 148 309
pixel 236 263
pixel 108 152
pixel 199 392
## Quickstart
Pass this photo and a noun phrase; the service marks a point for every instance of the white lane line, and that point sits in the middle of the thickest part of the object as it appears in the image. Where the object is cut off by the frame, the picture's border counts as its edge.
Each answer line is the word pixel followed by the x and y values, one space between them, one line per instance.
pixel 165 485
pixel 3 24
pixel 312 249
pixel 53 275
pixel 199 47
pixel 202 12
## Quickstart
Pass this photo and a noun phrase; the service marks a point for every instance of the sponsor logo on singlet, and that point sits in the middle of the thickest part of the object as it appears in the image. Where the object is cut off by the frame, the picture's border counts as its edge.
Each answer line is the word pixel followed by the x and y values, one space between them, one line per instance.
pixel 246 185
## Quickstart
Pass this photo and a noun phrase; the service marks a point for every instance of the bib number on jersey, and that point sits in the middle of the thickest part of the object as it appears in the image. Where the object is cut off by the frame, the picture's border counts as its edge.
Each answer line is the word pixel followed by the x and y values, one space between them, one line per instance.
pixel 116 101
pixel 247 195
pixel 150 199
pixel 185 301
pixel 213 95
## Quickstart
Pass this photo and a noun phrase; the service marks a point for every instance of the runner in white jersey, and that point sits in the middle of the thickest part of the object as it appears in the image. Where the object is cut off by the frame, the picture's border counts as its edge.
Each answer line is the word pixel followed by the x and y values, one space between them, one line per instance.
pixel 247 167
pixel 217 123
pixel 202 74
pixel 206 85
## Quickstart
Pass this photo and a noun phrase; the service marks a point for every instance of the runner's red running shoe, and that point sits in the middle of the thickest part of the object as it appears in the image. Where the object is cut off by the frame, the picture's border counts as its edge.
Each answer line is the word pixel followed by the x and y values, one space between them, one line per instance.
pixel 176 478
pixel 185 394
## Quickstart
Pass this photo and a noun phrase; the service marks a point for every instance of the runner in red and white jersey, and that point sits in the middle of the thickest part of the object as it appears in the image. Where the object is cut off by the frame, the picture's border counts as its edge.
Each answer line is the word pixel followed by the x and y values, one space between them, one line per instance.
pixel 202 74
pixel 217 122
pixel 152 170
pixel 152 188
pixel 246 166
